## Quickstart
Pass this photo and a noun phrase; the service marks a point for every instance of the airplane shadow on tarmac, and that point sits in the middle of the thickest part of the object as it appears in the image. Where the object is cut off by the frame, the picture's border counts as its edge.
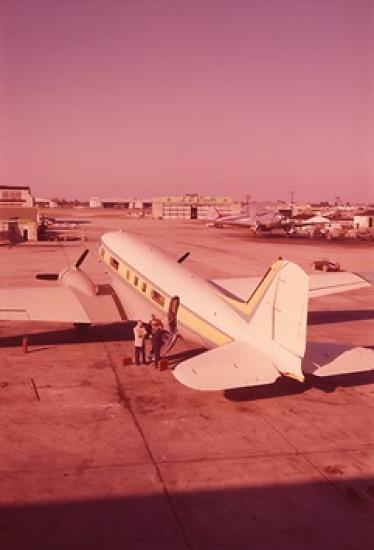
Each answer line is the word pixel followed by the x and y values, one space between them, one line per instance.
pixel 112 332
pixel 123 331
pixel 343 316
pixel 285 386
pixel 260 515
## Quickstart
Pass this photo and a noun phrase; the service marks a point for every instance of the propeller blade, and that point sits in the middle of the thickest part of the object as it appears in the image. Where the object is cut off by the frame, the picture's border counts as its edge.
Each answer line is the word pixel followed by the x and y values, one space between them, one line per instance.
pixel 47 276
pixel 81 258
pixel 182 258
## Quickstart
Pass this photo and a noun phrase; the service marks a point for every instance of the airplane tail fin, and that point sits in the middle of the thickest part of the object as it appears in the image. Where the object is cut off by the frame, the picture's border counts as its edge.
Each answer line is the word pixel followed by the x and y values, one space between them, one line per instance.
pixel 275 342
pixel 277 316
pixel 212 213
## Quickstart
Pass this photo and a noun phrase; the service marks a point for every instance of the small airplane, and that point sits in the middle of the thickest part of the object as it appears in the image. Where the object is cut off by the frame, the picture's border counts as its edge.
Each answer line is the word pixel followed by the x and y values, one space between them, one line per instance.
pixel 254 328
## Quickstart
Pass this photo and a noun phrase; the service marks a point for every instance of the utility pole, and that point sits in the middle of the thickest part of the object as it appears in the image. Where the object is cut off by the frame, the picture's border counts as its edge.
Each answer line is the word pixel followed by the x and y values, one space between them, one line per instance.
pixel 292 196
pixel 248 203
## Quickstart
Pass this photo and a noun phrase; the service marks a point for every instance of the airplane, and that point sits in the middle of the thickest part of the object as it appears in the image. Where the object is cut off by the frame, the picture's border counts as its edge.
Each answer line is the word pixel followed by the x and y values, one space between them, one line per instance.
pixel 253 328
pixel 259 220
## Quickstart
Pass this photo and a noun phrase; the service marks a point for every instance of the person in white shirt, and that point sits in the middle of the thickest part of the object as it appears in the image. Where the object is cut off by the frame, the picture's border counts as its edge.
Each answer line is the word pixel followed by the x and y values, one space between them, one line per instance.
pixel 139 337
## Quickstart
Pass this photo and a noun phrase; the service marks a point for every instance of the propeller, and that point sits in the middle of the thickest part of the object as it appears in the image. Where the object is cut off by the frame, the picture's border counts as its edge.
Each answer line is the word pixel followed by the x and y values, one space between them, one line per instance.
pixel 81 258
pixel 182 258
pixel 55 276
pixel 47 276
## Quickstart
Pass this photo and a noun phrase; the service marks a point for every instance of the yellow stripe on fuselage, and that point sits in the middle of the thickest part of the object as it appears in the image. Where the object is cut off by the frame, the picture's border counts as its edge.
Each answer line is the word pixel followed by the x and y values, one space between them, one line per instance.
pixel 247 308
pixel 187 318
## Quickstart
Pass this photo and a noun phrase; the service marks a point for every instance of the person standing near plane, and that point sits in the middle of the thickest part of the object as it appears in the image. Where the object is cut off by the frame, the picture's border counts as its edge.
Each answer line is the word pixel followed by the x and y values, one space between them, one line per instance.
pixel 139 336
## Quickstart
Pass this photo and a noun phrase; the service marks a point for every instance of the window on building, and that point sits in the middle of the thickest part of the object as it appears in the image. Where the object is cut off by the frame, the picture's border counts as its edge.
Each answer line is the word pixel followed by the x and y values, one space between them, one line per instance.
pixel 158 298
pixel 128 274
pixel 136 280
pixel 144 287
pixel 113 262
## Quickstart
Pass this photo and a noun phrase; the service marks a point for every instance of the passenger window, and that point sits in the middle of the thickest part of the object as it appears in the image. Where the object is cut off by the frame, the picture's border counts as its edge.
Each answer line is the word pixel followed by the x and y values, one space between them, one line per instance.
pixel 158 298
pixel 114 263
pixel 144 287
pixel 128 274
pixel 136 280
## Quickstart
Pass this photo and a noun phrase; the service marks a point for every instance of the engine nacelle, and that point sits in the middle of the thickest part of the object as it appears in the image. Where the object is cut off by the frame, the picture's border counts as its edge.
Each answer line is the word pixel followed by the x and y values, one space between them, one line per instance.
pixel 78 280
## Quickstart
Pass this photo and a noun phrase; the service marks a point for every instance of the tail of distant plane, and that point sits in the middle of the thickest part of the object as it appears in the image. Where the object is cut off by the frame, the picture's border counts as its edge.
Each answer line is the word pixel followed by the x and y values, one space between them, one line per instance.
pixel 213 213
pixel 274 344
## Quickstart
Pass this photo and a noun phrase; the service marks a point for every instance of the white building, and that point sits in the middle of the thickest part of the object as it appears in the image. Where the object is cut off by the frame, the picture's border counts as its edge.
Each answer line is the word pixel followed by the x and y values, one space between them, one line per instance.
pixel 364 220
pixel 95 202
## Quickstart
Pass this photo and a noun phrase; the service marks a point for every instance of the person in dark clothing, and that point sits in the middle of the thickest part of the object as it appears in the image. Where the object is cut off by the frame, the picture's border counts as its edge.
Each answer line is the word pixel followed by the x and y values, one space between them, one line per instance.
pixel 156 344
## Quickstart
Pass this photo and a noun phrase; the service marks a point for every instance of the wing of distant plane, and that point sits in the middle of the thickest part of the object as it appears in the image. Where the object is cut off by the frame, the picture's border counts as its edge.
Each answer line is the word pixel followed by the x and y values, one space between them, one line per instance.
pixel 319 284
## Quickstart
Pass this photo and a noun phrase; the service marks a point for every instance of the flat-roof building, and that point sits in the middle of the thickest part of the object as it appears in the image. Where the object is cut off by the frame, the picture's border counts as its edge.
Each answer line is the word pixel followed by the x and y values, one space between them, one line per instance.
pixel 16 195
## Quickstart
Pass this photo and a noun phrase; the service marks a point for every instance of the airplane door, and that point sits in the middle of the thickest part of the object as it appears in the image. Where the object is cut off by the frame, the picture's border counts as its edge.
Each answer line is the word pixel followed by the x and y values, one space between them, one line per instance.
pixel 172 313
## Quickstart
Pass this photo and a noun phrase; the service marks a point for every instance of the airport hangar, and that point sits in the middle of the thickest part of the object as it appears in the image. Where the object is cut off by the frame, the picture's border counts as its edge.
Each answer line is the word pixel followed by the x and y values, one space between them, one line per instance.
pixel 193 207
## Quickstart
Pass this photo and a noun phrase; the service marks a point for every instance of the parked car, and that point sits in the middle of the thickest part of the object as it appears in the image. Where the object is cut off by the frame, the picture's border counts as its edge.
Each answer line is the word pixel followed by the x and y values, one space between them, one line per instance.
pixel 326 265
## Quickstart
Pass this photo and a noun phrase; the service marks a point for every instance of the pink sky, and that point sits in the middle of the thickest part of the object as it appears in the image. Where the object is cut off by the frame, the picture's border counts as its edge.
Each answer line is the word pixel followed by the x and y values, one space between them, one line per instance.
pixel 140 98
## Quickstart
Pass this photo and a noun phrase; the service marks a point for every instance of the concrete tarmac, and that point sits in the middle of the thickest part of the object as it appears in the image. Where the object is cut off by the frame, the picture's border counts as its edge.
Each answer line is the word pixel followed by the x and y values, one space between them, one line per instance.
pixel 96 455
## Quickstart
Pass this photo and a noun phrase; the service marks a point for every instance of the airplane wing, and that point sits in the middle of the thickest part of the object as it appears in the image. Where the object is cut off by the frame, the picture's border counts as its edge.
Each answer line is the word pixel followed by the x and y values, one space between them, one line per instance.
pixel 233 365
pixel 320 284
pixel 57 304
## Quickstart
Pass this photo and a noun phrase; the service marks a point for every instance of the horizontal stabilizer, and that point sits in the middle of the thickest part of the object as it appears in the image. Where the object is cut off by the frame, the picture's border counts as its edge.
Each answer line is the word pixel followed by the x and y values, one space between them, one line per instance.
pixel 329 359
pixel 234 365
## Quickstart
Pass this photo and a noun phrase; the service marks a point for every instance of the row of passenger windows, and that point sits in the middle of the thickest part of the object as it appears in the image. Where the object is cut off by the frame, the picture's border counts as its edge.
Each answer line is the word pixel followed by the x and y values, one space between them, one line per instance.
pixel 156 296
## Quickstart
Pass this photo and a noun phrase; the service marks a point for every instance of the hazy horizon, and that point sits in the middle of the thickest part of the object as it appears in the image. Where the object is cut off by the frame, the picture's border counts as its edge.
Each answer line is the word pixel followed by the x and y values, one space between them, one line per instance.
pixel 137 99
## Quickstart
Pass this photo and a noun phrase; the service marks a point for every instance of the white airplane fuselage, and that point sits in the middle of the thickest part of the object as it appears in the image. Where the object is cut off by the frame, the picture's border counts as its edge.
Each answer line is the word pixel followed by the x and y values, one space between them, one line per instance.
pixel 146 280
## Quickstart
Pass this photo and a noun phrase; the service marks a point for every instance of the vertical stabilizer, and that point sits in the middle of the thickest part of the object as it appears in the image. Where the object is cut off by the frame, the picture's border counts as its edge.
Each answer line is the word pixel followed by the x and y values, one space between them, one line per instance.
pixel 278 316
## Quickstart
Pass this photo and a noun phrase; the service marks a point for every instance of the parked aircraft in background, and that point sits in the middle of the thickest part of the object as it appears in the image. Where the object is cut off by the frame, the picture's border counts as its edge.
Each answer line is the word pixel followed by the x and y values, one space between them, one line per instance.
pixel 255 329
pixel 262 220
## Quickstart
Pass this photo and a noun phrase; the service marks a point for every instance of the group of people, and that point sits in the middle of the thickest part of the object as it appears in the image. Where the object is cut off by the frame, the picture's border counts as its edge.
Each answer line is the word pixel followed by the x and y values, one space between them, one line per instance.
pixel 148 331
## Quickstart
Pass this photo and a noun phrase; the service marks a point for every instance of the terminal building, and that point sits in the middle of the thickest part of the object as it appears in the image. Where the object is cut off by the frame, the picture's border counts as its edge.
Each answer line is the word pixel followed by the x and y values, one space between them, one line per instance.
pixel 193 207
pixel 18 214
